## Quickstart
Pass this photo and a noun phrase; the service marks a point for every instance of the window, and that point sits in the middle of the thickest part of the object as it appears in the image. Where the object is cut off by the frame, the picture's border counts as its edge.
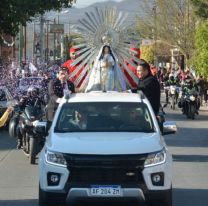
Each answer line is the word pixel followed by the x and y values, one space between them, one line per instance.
pixel 104 117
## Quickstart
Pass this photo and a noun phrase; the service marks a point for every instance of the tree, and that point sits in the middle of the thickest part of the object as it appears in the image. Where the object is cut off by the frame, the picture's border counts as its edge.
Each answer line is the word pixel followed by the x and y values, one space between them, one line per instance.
pixel 201 8
pixel 201 53
pixel 14 13
pixel 169 22
pixel 147 53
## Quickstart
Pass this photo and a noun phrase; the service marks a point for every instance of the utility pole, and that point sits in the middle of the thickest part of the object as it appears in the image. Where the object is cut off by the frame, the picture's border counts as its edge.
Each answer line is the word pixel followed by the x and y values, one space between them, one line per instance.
pixel 33 51
pixel 20 43
pixel 155 32
pixel 54 43
pixel 41 38
pixel 25 43
pixel 47 37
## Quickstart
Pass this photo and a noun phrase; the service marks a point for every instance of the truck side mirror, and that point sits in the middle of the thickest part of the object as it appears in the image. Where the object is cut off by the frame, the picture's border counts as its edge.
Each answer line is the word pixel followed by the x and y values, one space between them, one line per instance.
pixel 41 128
pixel 169 128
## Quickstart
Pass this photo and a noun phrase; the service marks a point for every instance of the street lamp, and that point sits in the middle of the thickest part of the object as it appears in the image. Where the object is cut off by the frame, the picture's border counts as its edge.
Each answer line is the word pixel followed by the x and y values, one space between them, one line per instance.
pixel 155 32
pixel 57 37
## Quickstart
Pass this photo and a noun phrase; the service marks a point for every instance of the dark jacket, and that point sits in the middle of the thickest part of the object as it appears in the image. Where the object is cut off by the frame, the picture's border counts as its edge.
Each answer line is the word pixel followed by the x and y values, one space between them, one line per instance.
pixel 151 88
pixel 30 101
pixel 55 91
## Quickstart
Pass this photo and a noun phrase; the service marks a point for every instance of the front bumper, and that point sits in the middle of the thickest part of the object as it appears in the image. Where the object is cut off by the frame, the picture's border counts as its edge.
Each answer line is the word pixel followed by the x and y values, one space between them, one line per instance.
pixel 141 191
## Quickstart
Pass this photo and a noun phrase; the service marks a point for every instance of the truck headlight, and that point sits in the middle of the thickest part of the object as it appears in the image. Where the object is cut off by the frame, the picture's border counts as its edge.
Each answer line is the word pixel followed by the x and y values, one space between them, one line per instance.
pixel 55 158
pixel 156 158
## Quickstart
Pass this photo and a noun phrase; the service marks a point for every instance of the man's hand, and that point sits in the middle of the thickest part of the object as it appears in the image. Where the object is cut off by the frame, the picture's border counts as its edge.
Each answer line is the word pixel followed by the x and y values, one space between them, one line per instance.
pixel 67 92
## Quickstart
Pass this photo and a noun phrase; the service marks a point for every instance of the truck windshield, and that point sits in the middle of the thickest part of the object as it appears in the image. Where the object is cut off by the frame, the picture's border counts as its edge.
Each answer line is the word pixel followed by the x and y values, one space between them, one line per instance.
pixel 104 117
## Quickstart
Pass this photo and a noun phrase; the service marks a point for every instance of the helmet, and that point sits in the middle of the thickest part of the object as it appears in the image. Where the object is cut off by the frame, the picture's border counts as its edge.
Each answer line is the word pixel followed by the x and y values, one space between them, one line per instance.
pixel 171 77
pixel 188 79
pixel 189 82
pixel 31 90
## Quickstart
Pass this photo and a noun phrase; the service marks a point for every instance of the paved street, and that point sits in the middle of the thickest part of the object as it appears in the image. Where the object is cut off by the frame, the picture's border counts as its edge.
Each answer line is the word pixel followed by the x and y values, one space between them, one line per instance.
pixel 19 180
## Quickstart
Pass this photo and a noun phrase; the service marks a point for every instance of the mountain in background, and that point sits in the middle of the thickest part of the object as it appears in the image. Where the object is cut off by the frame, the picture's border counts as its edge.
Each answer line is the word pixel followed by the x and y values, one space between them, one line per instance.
pixel 75 14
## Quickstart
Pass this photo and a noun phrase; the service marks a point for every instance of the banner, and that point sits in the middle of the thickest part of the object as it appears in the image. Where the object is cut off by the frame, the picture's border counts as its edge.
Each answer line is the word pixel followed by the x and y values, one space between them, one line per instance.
pixel 57 28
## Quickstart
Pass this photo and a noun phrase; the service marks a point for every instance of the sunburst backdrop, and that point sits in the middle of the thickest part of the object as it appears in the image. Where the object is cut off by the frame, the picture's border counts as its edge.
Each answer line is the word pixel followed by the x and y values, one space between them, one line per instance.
pixel 102 27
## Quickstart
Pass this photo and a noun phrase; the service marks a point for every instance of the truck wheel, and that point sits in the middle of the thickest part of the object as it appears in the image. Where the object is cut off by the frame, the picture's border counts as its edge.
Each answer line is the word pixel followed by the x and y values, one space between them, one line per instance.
pixel 165 201
pixel 46 198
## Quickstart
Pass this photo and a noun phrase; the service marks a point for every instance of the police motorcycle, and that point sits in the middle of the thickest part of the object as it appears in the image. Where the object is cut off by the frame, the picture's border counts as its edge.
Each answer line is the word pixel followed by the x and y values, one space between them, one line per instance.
pixel 189 99
pixel 172 91
pixel 22 126
pixel 173 95
pixel 190 104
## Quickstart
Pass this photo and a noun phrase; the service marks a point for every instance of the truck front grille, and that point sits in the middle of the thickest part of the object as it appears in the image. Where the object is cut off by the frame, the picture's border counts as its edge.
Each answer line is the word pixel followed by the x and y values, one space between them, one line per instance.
pixel 124 170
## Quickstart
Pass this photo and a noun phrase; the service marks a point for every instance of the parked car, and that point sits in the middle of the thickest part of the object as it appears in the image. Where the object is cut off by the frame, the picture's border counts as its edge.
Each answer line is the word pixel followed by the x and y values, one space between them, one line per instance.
pixel 105 146
pixel 6 100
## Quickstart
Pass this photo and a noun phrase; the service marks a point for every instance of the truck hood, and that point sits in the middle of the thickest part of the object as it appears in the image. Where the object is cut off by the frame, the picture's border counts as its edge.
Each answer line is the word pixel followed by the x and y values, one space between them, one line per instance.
pixel 105 143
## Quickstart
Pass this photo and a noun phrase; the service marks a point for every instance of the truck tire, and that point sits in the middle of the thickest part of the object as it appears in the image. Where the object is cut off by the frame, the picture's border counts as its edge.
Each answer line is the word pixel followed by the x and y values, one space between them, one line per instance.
pixel 165 201
pixel 48 199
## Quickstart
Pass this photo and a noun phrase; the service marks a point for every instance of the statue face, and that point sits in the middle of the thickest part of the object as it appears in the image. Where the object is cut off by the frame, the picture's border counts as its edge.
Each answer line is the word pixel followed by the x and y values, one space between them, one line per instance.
pixel 106 50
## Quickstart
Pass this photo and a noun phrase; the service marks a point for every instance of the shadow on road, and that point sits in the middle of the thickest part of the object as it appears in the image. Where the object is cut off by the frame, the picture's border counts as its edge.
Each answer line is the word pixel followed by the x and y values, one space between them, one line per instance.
pixel 189 137
pixel 7 142
pixel 190 158
pixel 173 115
pixel 33 202
pixel 190 197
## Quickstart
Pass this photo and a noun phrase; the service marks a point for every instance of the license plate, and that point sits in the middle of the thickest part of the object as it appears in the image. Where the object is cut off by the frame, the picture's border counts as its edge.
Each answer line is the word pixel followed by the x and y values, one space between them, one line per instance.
pixel 105 191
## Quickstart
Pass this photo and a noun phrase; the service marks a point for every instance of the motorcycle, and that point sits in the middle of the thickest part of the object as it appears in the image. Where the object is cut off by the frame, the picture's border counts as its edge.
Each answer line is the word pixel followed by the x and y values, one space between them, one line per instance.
pixel 190 109
pixel 173 92
pixel 32 142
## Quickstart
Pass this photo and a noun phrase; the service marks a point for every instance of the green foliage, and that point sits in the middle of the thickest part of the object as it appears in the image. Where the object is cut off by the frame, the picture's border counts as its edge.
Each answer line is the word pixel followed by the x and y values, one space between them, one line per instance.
pixel 171 22
pixel 147 53
pixel 201 53
pixel 16 12
pixel 201 8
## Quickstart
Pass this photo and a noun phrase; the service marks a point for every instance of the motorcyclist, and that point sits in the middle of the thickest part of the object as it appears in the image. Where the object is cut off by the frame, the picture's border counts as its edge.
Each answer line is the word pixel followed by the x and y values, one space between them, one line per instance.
pixel 31 99
pixel 189 87
pixel 171 82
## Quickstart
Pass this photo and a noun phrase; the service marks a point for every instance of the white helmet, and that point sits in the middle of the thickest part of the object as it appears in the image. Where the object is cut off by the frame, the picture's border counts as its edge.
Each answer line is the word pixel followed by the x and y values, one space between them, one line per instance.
pixel 32 89
pixel 171 75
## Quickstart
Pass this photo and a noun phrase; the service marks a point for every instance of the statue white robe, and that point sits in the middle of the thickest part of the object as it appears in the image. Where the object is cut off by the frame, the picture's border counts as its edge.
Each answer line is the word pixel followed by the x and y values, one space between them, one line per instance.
pixel 106 78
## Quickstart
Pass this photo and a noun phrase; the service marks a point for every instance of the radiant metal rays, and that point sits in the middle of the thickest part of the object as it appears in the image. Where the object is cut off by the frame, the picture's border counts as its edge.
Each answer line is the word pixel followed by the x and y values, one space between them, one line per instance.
pixel 102 26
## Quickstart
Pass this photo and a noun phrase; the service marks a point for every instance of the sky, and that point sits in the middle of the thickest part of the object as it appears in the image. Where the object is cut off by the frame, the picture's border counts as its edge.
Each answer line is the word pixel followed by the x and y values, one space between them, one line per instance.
pixel 84 3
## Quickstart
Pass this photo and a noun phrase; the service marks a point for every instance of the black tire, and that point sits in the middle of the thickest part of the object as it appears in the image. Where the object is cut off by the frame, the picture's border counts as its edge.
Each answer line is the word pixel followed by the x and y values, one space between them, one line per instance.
pixel 173 103
pixel 166 201
pixel 47 198
pixel 192 111
pixel 13 127
pixel 33 150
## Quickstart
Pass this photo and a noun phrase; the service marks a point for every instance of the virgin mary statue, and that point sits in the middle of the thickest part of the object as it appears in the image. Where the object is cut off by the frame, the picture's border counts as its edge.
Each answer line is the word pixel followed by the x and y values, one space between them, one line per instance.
pixel 106 74
pixel 103 58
